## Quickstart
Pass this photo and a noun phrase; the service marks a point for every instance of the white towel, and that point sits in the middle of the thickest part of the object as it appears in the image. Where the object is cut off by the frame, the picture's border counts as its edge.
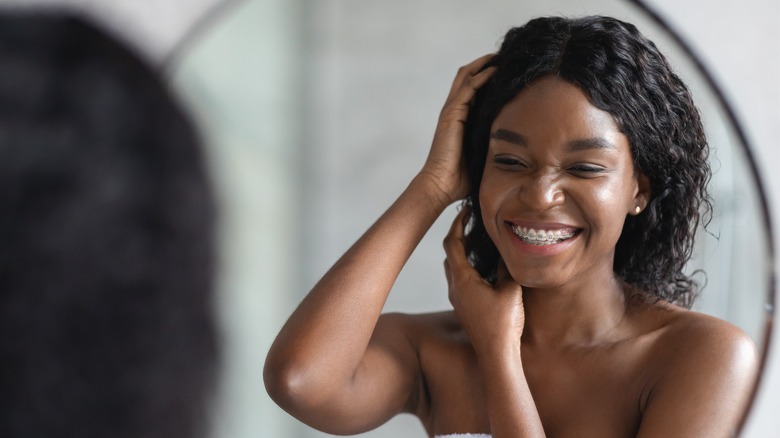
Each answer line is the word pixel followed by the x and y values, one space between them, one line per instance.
pixel 464 435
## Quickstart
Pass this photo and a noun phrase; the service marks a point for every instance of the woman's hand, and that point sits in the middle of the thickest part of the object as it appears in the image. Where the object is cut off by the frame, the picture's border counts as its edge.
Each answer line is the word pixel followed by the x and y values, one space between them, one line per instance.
pixel 444 169
pixel 492 316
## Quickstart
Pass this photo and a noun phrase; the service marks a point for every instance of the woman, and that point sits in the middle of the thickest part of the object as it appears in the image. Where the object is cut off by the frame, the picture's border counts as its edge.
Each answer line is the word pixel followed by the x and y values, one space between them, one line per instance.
pixel 582 161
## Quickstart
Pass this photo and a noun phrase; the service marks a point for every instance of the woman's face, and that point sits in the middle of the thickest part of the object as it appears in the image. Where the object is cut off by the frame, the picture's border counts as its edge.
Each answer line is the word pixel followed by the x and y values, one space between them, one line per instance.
pixel 558 183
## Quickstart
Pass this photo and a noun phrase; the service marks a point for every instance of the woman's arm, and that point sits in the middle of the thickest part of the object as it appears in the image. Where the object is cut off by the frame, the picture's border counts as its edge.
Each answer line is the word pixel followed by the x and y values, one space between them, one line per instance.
pixel 335 364
pixel 493 317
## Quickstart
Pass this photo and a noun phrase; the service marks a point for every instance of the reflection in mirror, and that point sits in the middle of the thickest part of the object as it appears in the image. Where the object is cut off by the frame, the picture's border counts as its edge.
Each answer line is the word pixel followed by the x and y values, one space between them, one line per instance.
pixel 318 117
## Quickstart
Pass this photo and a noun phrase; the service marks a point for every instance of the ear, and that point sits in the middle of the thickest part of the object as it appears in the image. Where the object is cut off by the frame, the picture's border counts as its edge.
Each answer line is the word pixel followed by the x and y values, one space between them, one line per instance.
pixel 642 194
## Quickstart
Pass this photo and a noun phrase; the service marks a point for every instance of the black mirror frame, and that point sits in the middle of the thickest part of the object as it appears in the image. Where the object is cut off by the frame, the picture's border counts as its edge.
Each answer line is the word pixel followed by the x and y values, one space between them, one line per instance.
pixel 731 117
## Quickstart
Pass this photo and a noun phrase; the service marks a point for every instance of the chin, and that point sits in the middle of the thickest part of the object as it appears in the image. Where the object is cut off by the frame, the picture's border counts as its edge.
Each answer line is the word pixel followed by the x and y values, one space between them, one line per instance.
pixel 538 281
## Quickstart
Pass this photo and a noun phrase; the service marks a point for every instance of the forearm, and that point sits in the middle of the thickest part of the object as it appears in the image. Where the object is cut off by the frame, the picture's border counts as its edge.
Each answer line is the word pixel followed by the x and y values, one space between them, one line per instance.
pixel 323 342
pixel 511 407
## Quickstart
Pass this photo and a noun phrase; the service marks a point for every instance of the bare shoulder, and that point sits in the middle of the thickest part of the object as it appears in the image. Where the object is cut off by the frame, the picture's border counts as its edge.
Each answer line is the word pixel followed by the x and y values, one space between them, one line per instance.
pixel 704 374
pixel 690 336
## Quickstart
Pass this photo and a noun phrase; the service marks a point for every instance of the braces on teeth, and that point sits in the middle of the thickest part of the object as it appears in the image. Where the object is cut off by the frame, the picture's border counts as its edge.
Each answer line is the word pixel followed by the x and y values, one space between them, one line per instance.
pixel 541 237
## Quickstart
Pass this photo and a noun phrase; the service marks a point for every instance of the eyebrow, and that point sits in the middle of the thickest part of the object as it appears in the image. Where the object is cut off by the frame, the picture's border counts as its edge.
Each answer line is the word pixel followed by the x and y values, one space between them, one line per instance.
pixel 573 146
pixel 510 136
pixel 591 143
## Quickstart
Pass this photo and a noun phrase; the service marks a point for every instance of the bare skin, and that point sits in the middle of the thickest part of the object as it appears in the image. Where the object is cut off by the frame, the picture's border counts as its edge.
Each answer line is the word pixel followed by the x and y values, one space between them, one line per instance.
pixel 571 352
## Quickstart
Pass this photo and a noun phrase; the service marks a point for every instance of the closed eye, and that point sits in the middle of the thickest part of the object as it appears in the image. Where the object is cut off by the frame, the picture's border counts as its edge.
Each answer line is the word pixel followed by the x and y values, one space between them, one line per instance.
pixel 587 170
pixel 508 162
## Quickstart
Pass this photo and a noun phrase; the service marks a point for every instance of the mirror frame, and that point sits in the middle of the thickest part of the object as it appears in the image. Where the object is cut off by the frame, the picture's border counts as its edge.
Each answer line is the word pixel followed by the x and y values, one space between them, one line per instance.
pixel 766 218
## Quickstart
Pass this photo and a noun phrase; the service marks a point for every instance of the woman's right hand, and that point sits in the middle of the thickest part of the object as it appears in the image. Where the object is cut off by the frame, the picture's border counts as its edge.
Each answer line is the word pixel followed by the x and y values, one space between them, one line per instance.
pixel 444 169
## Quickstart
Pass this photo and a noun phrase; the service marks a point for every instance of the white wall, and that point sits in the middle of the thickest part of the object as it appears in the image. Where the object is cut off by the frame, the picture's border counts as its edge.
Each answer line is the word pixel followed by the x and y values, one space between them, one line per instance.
pixel 241 80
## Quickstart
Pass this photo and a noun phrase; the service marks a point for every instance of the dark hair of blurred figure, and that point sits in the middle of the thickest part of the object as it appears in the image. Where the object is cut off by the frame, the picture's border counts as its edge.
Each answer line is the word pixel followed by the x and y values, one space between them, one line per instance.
pixel 106 241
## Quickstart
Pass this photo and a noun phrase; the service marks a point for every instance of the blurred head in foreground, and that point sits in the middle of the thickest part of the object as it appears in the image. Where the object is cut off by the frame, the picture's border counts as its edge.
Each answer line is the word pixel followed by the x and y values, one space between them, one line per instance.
pixel 106 247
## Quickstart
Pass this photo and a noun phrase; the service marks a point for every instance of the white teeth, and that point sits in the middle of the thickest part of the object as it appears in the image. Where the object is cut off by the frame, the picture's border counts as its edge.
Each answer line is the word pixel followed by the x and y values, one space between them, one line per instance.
pixel 542 237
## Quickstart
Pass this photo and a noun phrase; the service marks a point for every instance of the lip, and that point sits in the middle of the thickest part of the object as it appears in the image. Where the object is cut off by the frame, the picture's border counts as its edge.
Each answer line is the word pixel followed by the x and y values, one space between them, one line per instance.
pixel 542 250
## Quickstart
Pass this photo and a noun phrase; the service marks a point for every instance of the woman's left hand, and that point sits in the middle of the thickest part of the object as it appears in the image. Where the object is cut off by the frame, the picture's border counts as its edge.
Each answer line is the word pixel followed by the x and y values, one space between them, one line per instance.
pixel 490 315
pixel 493 318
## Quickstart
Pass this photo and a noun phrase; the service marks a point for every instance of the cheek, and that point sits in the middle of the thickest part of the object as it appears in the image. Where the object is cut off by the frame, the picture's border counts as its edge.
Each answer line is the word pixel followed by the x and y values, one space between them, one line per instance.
pixel 612 201
pixel 609 197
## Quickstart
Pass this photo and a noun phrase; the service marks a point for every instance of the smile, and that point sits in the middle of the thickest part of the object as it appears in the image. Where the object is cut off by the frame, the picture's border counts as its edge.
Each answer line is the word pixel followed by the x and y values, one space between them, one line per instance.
pixel 542 237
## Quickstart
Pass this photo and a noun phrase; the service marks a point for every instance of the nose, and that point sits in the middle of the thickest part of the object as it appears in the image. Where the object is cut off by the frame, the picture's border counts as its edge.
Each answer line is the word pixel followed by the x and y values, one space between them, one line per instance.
pixel 541 191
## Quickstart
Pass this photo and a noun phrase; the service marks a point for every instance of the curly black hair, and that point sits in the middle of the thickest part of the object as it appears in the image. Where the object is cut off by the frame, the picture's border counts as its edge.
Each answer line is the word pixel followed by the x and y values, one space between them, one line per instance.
pixel 106 263
pixel 623 73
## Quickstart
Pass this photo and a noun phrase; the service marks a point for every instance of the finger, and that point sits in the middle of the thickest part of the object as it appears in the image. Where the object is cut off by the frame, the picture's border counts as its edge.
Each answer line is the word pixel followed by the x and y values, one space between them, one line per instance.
pixel 466 85
pixel 447 271
pixel 479 79
pixel 469 70
pixel 458 224
pixel 464 95
pixel 460 98
pixel 450 289
pixel 453 243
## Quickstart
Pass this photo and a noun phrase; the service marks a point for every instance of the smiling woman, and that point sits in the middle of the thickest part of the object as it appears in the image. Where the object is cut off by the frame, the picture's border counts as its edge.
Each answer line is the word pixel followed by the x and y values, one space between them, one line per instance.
pixel 570 179
pixel 639 105
pixel 583 243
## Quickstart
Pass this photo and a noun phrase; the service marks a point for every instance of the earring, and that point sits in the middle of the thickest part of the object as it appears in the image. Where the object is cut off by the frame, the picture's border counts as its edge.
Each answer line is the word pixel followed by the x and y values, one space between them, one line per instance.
pixel 638 209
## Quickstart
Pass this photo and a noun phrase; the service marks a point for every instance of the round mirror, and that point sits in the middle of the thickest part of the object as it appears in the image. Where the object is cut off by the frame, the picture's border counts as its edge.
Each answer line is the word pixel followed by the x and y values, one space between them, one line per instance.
pixel 316 116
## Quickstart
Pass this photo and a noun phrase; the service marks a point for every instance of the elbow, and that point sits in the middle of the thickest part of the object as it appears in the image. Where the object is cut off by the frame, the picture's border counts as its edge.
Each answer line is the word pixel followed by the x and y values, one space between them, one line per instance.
pixel 292 386
pixel 313 398
pixel 284 383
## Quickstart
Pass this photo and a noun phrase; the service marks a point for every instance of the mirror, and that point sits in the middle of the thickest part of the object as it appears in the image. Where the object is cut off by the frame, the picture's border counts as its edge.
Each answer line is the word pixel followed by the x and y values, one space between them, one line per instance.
pixel 317 116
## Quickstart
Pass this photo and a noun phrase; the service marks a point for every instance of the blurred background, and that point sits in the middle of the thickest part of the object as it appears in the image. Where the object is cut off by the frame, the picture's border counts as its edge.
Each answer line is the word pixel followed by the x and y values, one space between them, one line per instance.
pixel 317 114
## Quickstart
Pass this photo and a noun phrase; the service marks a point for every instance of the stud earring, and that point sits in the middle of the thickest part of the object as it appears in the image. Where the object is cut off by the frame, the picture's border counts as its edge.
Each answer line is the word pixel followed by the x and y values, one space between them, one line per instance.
pixel 638 209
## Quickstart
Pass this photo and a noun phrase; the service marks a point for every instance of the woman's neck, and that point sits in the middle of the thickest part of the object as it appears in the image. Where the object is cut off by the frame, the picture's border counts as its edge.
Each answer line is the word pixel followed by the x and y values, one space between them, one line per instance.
pixel 585 311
